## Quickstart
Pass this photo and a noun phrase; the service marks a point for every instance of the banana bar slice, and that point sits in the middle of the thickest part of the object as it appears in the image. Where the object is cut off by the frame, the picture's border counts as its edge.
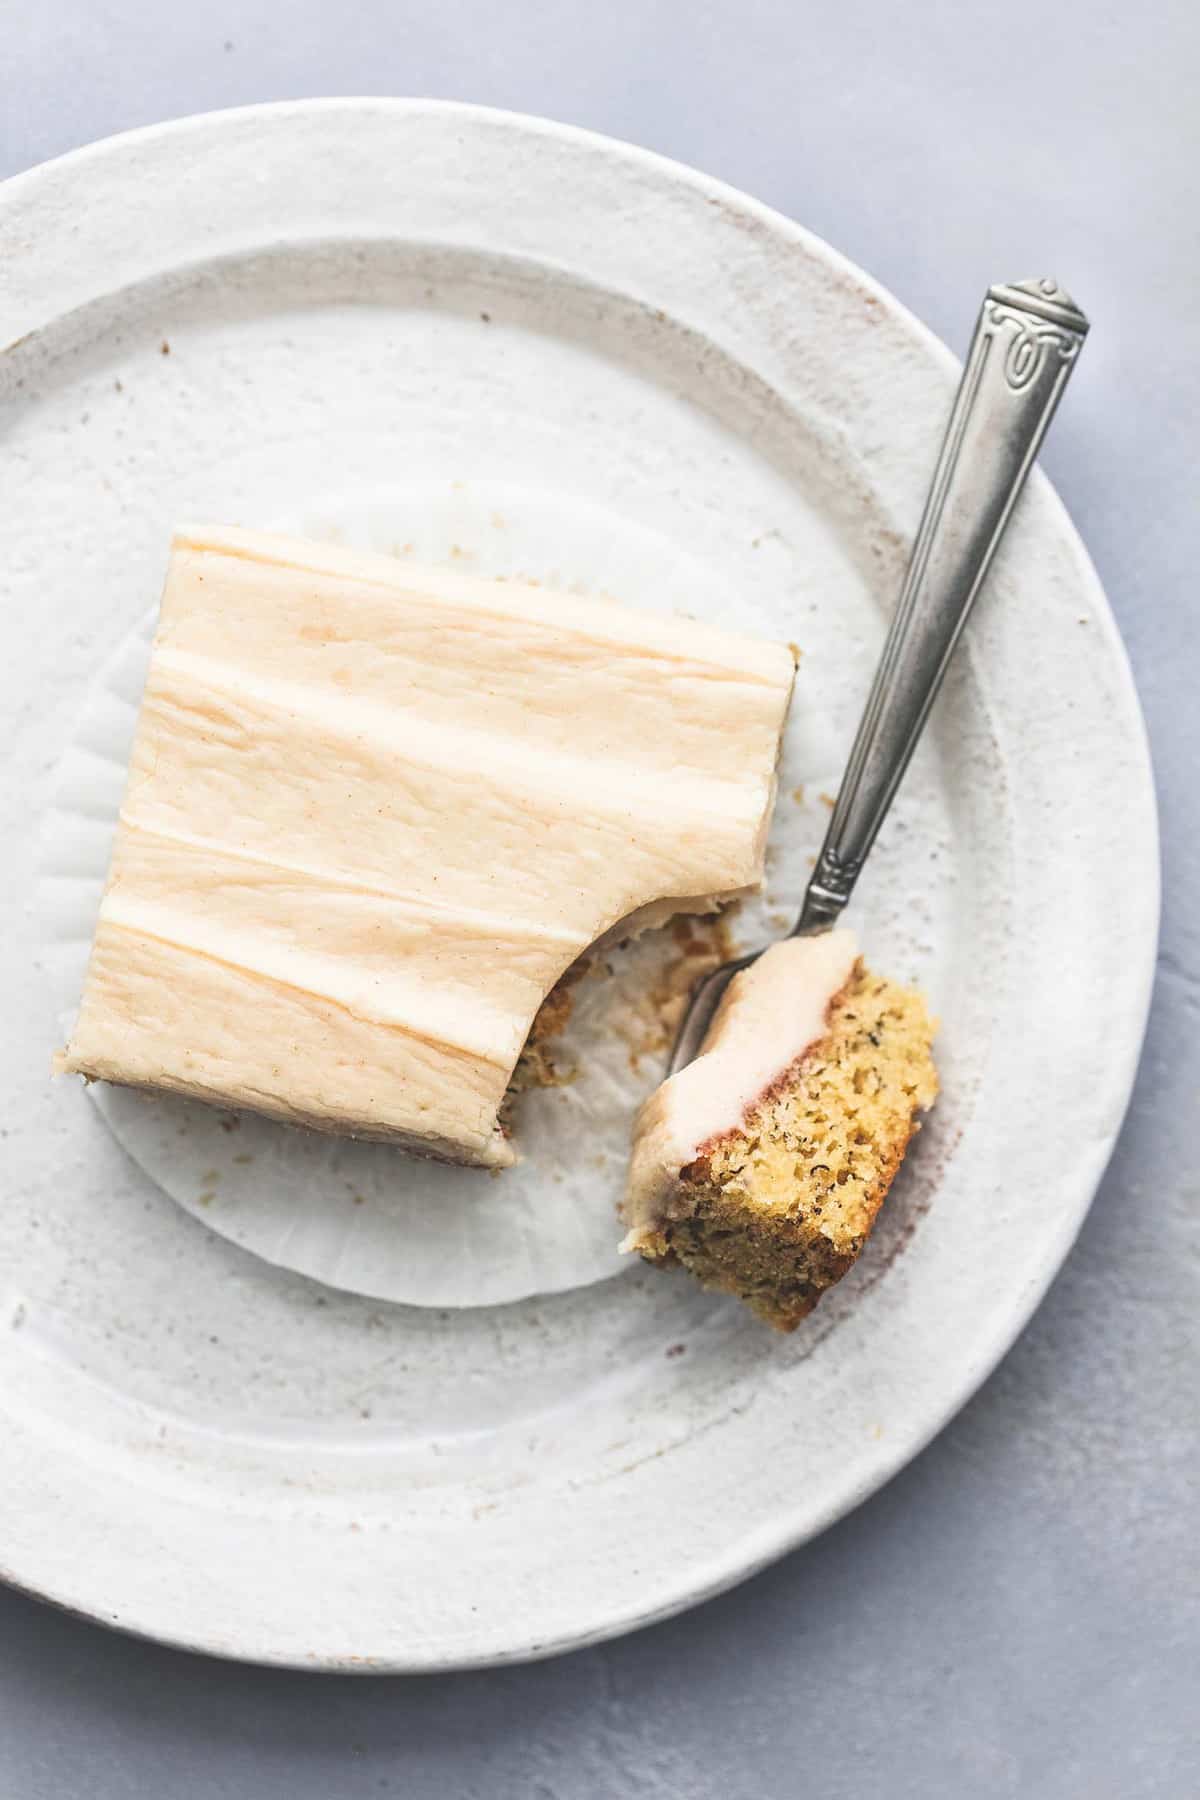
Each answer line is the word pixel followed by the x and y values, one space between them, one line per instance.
pixel 375 810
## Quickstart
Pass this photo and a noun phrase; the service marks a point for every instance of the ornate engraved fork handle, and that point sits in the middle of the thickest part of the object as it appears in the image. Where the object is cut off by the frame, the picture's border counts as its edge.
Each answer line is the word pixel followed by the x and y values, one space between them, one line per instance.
pixel 1024 348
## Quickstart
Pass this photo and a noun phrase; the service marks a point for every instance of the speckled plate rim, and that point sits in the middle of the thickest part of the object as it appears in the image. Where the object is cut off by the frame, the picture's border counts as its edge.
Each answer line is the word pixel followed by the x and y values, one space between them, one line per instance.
pixel 44 200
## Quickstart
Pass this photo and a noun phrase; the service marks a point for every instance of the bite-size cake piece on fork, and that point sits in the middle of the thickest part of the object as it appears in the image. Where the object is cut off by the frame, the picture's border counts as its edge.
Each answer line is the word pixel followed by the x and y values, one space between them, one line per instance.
pixel 761 1166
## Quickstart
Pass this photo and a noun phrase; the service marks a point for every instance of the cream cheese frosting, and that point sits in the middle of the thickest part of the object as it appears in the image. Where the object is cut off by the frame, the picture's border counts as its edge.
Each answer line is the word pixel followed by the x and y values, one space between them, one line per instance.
pixel 375 810
pixel 770 1014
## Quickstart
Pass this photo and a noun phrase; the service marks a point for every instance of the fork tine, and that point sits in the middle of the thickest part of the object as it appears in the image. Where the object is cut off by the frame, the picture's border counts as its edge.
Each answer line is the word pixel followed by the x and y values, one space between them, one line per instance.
pixel 701 1008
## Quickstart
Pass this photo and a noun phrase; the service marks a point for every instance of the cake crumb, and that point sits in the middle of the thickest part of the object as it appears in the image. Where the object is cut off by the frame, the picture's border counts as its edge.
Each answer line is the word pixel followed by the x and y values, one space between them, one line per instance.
pixel 701 942
pixel 538 1066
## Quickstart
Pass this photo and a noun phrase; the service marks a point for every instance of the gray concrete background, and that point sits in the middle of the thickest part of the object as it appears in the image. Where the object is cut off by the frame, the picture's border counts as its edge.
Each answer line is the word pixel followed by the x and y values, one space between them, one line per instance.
pixel 1018 1613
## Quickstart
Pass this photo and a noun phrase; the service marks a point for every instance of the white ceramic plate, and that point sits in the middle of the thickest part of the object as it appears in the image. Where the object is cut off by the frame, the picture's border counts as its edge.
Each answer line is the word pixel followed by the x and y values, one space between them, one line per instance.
pixel 244 316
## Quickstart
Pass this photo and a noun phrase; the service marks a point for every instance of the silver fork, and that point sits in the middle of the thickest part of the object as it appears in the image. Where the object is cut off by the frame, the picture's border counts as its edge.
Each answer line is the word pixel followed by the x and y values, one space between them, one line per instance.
pixel 1026 340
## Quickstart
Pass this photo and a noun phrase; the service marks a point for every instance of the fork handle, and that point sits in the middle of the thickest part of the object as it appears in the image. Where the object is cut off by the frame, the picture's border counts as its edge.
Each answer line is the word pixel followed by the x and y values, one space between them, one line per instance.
pixel 1024 348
